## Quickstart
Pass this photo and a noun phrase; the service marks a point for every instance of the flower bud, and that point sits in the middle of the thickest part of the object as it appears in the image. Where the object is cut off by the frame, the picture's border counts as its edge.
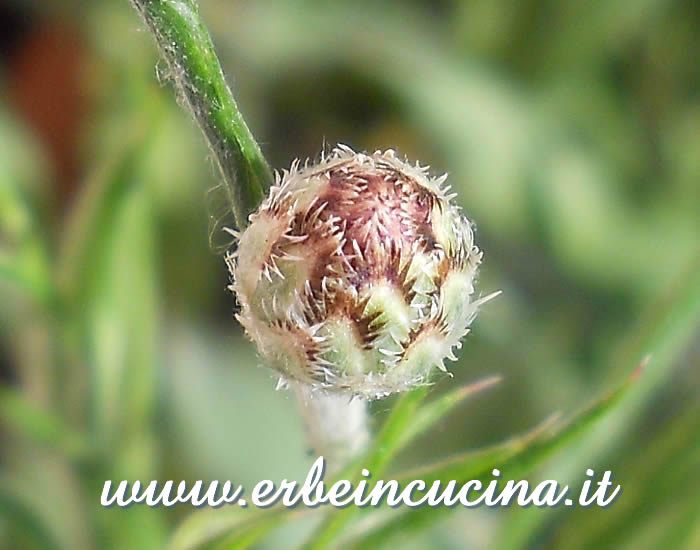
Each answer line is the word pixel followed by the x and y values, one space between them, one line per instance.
pixel 356 274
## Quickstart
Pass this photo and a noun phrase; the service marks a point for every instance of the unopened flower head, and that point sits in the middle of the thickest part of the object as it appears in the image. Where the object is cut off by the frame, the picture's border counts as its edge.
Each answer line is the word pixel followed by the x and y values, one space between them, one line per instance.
pixel 356 274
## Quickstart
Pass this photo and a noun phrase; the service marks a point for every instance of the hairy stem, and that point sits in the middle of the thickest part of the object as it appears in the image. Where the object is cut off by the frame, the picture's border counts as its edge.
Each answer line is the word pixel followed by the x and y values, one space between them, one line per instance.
pixel 336 424
pixel 186 46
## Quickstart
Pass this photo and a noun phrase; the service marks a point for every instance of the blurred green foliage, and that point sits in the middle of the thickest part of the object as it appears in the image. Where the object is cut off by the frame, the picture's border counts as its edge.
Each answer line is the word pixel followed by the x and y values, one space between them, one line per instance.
pixel 571 132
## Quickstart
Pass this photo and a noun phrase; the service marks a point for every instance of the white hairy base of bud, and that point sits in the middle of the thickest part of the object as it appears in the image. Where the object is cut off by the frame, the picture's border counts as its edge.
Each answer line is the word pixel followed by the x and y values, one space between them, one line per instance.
pixel 336 424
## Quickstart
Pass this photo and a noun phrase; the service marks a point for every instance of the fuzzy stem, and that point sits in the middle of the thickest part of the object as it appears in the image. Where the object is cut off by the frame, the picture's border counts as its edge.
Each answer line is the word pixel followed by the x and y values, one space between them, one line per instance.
pixel 186 46
pixel 336 424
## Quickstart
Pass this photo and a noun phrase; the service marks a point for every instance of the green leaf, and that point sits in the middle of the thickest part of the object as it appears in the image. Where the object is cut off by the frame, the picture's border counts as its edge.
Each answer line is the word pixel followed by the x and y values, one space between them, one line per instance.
pixel 515 459
pixel 666 329
pixel 110 329
pixel 685 535
pixel 661 485
pixel 228 527
pixel 204 526
pixel 23 259
pixel 19 414
pixel 384 448
pixel 431 413
pixel 26 523
pixel 107 279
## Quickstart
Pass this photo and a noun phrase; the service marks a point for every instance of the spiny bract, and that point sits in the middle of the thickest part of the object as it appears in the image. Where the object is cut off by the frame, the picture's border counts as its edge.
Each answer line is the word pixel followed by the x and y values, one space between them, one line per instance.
pixel 356 274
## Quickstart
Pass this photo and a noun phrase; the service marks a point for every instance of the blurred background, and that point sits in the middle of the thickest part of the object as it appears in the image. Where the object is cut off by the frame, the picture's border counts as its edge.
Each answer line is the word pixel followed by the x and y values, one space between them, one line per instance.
pixel 571 132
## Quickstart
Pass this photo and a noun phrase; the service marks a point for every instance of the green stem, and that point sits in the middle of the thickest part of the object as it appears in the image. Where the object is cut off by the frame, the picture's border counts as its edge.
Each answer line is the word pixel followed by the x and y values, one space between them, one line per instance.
pixel 184 42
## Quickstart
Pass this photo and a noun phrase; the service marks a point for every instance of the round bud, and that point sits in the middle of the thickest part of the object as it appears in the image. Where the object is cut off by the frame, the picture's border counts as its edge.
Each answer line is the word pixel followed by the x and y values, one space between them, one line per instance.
pixel 356 274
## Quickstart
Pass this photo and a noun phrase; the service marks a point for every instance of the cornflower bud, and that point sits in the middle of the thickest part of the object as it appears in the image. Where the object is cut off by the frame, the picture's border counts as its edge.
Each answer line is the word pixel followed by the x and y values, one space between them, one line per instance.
pixel 356 274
